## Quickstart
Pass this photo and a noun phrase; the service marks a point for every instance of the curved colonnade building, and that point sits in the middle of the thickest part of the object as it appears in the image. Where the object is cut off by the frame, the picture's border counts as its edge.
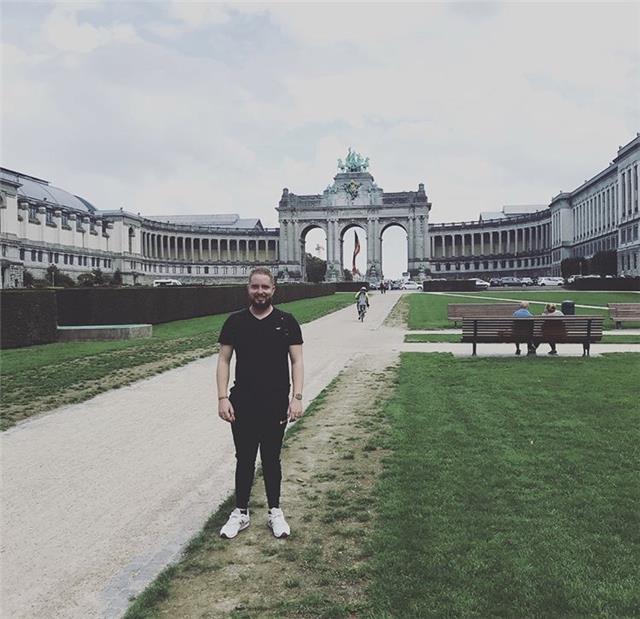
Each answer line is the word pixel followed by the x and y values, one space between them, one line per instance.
pixel 41 225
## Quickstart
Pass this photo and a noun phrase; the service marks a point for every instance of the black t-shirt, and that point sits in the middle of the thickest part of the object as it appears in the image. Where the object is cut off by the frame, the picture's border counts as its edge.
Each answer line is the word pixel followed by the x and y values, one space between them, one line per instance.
pixel 262 356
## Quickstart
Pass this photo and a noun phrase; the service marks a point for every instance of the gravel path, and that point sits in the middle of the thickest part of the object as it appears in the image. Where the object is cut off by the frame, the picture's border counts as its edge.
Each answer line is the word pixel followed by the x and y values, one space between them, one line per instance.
pixel 98 497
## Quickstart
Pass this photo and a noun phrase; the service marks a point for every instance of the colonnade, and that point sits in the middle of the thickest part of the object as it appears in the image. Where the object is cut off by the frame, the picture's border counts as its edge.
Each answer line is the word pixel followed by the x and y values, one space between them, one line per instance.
pixel 199 249
pixel 527 239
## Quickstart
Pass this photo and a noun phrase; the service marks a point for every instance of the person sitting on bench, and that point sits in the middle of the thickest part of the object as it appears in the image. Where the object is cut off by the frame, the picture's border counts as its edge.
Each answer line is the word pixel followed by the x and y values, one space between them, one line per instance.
pixel 552 310
pixel 523 312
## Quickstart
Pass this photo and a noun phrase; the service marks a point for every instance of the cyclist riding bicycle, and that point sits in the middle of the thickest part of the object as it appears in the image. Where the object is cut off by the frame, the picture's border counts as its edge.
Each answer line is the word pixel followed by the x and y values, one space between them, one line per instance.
pixel 362 301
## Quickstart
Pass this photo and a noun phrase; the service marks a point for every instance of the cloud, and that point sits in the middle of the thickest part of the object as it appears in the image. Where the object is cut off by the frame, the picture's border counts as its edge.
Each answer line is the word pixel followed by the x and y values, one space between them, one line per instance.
pixel 202 107
pixel 64 32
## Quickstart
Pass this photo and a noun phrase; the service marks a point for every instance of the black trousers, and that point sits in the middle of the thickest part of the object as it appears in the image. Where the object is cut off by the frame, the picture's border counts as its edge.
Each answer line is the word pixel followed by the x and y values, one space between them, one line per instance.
pixel 249 434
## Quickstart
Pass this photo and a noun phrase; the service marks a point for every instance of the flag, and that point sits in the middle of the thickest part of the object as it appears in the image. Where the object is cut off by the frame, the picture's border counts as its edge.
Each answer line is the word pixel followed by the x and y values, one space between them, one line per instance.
pixel 356 251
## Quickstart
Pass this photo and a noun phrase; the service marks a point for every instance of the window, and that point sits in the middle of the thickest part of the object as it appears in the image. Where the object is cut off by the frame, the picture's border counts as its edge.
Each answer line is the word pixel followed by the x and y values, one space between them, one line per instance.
pixel 66 258
pixel 56 258
pixel 33 213
pixel 33 255
pixel 71 259
pixel 65 218
pixel 467 266
pixel 50 217
pixel 21 254
pixel 188 269
pixel 215 270
pixel 206 270
pixel 438 267
pixel 39 256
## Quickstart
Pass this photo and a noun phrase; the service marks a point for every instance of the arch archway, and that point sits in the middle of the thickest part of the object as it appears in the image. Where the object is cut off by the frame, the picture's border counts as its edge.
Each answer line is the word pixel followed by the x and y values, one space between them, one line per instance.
pixel 313 242
pixel 394 241
pixel 347 238
pixel 353 199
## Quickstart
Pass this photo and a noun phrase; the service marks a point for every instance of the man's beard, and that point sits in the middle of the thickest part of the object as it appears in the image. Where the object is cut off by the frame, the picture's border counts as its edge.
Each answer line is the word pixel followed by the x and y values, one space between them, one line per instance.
pixel 261 303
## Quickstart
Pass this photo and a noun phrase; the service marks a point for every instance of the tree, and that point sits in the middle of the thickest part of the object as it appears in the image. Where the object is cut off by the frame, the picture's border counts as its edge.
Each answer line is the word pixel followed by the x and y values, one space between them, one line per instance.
pixel 604 263
pixel 86 279
pixel 98 278
pixel 316 268
pixel 347 275
pixel 573 266
pixel 27 279
pixel 116 280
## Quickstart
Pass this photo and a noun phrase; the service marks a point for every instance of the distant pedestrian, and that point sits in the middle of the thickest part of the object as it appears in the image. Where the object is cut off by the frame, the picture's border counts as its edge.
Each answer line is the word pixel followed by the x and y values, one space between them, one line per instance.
pixel 258 406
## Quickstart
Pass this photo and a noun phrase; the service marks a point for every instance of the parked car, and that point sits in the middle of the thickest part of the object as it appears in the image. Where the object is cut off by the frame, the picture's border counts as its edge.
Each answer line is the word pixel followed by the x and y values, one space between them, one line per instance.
pixel 480 284
pixel 494 281
pixel 411 286
pixel 396 285
pixel 526 281
pixel 550 281
pixel 510 281
pixel 162 283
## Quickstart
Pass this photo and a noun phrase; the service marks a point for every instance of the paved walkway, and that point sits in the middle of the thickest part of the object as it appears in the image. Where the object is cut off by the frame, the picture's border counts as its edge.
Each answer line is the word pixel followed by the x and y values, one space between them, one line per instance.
pixel 98 497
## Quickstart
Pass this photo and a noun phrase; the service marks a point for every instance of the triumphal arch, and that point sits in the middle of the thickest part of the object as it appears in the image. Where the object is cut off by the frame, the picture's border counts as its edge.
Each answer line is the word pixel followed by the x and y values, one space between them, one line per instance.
pixel 352 200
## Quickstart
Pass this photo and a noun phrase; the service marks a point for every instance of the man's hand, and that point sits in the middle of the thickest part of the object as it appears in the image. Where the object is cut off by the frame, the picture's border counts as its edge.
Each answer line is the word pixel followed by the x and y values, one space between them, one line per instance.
pixel 225 410
pixel 295 410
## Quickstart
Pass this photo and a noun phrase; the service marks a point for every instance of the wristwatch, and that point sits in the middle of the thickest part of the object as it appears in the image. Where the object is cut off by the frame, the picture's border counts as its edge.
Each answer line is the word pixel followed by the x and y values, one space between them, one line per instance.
pixel 298 396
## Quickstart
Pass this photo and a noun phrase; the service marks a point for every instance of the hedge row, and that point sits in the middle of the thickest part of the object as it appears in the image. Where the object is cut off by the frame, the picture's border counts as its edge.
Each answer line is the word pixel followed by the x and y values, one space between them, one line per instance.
pixel 31 316
pixel 27 317
pixel 605 283
pixel 118 306
pixel 450 285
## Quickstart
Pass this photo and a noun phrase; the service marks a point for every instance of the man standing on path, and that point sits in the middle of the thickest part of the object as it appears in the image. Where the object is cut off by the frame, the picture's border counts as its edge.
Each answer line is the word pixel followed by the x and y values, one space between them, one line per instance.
pixel 258 407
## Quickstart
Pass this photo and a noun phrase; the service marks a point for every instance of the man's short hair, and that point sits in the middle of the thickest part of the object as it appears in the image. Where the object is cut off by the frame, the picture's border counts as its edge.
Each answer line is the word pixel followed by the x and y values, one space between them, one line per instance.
pixel 524 304
pixel 262 271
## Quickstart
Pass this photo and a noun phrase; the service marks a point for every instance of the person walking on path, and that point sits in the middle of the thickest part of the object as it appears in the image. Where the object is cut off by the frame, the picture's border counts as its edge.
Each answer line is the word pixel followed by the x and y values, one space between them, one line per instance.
pixel 523 312
pixel 258 407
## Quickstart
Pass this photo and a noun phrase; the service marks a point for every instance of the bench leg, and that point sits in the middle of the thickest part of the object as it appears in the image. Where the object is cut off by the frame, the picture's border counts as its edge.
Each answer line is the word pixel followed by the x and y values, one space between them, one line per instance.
pixel 474 349
pixel 586 349
pixel 618 325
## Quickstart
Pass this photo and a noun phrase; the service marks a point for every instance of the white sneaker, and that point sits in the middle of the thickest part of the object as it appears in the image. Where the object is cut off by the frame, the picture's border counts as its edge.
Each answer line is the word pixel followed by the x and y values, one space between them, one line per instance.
pixel 236 523
pixel 277 523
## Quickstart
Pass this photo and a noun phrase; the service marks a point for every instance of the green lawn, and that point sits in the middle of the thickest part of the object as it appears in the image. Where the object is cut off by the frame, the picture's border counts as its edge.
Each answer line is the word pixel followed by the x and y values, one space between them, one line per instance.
pixel 429 311
pixel 434 338
pixel 510 493
pixel 39 378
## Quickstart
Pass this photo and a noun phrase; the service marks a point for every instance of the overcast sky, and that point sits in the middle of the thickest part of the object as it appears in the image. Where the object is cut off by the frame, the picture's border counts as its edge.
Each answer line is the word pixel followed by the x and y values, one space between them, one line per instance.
pixel 183 107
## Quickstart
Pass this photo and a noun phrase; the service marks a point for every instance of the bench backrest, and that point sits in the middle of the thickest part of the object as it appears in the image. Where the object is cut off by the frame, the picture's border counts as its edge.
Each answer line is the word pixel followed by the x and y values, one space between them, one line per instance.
pixel 537 328
pixel 457 311
pixel 624 310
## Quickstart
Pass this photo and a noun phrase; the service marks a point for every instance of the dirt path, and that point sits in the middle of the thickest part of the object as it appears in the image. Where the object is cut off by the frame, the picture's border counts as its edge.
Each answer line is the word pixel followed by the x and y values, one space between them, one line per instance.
pixel 98 497
pixel 330 467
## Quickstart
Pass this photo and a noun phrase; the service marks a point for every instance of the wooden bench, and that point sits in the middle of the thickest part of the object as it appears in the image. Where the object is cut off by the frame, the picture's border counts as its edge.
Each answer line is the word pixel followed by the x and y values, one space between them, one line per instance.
pixel 535 330
pixel 458 311
pixel 624 312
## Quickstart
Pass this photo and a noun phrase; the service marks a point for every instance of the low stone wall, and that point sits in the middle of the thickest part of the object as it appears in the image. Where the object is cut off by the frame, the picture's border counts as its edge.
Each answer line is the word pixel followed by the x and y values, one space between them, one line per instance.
pixel 99 333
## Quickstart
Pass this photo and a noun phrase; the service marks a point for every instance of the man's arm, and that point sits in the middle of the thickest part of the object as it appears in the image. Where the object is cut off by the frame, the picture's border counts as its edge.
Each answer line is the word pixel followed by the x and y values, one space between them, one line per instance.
pixel 225 409
pixel 297 377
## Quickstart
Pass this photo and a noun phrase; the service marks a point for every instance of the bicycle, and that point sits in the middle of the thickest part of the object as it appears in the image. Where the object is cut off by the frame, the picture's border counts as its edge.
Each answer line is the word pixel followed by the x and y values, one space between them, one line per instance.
pixel 362 310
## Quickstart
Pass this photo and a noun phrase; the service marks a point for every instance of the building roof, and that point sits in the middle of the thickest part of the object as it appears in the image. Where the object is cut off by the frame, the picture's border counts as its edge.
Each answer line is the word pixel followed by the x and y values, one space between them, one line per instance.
pixel 512 210
pixel 210 221
pixel 32 188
